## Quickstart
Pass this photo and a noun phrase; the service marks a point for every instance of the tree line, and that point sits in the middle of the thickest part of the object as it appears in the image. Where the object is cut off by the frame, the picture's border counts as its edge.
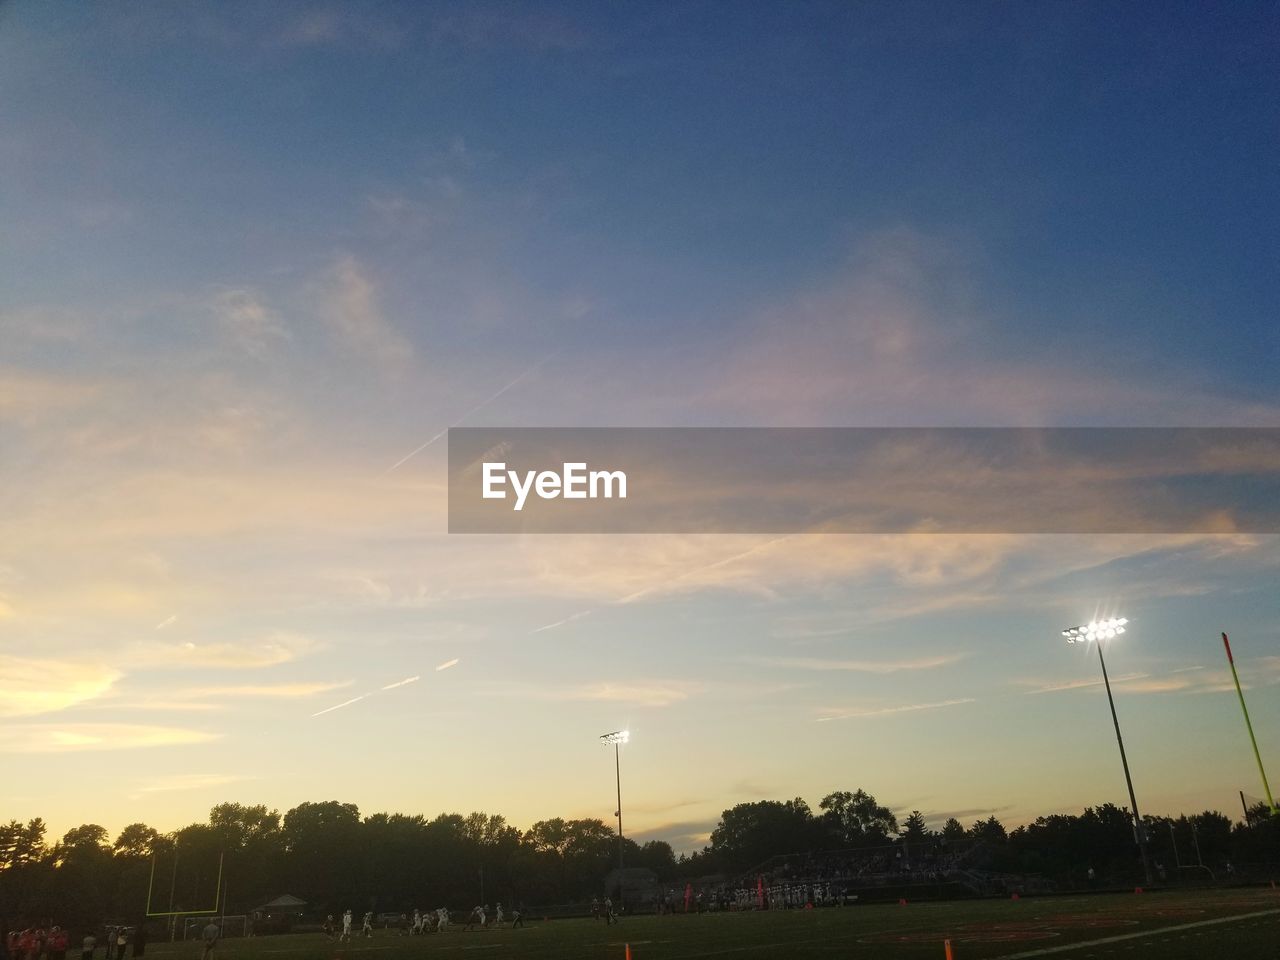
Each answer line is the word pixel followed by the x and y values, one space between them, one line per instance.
pixel 332 857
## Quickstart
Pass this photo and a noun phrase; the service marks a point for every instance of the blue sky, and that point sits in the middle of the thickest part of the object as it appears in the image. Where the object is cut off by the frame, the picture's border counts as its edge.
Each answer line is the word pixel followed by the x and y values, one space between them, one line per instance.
pixel 256 254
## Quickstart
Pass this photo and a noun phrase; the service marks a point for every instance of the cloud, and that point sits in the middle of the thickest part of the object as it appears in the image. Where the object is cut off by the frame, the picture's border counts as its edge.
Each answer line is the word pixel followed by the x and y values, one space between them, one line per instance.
pixel 69 737
pixel 1263 672
pixel 938 817
pixel 657 693
pixel 349 303
pixel 29 399
pixel 901 335
pixel 860 713
pixel 860 666
pixel 30 686
pixel 640 693
pixel 684 835
pixel 188 781
pixel 1055 686
pixel 447 664
pixel 272 691
pixel 341 25
pixel 272 650
pixel 254 326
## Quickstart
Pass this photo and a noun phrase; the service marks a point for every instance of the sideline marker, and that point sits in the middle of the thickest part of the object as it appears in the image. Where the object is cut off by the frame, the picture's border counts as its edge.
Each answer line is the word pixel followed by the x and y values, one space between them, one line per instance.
pixel 628 946
pixel 946 945
pixel 1137 889
pixel 902 901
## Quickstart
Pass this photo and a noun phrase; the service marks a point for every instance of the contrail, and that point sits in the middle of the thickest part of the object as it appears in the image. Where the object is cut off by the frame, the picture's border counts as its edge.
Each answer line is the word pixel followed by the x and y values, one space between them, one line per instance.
pixel 474 410
pixel 447 664
pixel 560 623
pixel 401 683
pixel 345 703
pixel 169 621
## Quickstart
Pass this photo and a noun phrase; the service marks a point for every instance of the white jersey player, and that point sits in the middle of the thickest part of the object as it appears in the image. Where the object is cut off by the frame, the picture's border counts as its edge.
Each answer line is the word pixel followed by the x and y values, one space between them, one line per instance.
pixel 366 928
pixel 416 929
pixel 346 925
pixel 442 919
pixel 497 916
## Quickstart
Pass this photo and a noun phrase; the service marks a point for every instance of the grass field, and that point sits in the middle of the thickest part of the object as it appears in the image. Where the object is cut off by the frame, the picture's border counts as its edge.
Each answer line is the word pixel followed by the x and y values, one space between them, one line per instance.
pixel 1235 924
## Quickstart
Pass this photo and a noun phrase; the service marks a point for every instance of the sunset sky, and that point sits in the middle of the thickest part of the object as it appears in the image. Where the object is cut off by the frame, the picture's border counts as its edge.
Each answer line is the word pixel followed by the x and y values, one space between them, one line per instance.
pixel 256 258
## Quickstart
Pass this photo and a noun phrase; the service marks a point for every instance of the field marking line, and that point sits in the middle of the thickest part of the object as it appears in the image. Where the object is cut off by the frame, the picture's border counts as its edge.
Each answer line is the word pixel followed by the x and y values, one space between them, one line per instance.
pixel 1142 934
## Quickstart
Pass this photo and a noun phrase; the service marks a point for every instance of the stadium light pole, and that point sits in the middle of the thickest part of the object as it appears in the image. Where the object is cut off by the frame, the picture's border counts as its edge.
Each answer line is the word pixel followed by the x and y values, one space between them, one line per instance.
pixel 1095 632
pixel 617 739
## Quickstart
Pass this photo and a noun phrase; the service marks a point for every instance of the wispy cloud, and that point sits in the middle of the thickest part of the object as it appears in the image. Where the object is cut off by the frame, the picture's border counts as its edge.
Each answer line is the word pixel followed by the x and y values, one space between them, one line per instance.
pixel 860 713
pixel 859 666
pixel 188 781
pixel 349 301
pixel 30 686
pixel 1039 686
pixel 271 650
pixel 281 691
pixel 639 693
pixel 67 737
pixel 448 663
pixel 167 622
pixel 1263 672
pixel 253 325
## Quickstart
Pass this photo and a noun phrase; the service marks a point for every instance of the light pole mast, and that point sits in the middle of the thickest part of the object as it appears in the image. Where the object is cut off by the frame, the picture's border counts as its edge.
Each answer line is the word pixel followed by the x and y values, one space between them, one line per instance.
pixel 1096 632
pixel 617 739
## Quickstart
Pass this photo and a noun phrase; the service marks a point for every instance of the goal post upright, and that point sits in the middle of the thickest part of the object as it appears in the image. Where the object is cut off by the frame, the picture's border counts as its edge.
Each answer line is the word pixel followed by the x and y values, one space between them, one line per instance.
pixel 1249 726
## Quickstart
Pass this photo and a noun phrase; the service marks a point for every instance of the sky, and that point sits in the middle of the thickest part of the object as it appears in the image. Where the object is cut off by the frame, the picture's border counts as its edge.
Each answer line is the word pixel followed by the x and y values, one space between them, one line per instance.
pixel 256 258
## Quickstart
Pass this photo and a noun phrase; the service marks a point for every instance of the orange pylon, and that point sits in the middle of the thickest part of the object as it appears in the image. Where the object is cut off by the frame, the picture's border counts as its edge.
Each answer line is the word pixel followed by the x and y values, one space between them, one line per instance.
pixel 946 945
pixel 628 951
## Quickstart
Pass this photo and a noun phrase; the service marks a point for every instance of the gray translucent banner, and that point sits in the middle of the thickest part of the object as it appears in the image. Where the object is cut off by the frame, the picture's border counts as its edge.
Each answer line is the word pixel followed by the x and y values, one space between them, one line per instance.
pixel 864 480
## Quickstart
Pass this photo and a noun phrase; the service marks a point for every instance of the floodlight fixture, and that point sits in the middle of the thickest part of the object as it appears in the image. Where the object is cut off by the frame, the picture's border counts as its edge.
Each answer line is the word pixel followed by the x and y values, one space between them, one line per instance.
pixel 616 740
pixel 1096 631
pixel 1107 629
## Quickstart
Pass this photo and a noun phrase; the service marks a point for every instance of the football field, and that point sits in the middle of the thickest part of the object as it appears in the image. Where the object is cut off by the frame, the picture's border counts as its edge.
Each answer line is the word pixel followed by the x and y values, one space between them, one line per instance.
pixel 1237 924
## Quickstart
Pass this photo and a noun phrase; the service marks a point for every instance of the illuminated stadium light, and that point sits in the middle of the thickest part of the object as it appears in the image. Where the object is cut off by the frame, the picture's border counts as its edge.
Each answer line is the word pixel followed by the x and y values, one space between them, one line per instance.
pixel 616 740
pixel 1096 630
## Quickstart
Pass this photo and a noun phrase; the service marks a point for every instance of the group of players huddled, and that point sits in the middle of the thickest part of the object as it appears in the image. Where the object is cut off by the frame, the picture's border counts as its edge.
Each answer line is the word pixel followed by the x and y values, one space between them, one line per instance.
pixel 423 922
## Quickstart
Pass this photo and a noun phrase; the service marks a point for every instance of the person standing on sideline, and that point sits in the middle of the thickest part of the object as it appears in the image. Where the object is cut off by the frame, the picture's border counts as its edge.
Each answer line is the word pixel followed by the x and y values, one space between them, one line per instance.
pixel 87 946
pixel 209 935
pixel 57 945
